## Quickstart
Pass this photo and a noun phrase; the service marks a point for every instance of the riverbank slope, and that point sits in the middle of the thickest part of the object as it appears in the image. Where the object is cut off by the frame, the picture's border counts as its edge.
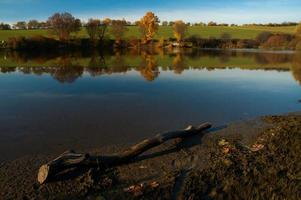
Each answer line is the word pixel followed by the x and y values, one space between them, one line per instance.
pixel 259 157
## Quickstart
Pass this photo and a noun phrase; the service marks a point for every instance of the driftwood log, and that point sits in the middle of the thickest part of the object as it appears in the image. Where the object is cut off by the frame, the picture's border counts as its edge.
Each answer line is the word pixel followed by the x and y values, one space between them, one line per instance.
pixel 71 160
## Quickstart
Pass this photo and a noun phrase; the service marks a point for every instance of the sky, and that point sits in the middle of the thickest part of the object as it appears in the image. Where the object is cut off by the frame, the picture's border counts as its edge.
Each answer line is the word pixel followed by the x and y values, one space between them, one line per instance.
pixel 221 11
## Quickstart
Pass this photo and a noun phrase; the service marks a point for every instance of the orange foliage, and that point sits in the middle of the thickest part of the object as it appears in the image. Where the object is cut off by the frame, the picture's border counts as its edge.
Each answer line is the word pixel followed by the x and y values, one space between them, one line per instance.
pixel 149 25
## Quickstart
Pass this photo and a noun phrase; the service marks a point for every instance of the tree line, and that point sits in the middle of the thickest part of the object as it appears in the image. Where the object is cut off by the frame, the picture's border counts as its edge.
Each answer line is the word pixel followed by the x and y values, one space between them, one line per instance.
pixel 64 25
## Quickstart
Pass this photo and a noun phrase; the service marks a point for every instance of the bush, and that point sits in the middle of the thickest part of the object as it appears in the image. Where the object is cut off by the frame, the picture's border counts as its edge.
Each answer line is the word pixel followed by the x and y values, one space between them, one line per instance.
pixel 298 46
pixel 279 41
pixel 263 37
pixel 16 42
pixel 245 44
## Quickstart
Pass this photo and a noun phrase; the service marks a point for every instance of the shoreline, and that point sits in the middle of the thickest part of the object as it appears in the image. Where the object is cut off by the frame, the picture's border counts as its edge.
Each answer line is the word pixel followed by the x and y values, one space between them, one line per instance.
pixel 160 169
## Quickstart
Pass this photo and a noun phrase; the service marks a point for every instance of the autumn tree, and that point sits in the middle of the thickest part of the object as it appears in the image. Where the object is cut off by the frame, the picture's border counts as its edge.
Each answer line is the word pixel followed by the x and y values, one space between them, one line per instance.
pixel 263 37
pixel 149 25
pixel 118 29
pixel 179 29
pixel 63 24
pixel 298 29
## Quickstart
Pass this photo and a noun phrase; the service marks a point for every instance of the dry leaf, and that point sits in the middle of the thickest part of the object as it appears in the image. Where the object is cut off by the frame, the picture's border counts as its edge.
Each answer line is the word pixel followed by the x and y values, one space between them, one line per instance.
pixel 257 147
pixel 154 184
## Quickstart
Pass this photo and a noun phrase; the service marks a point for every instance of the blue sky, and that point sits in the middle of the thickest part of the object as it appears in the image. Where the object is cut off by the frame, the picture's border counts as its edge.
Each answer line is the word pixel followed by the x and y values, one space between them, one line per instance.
pixel 228 11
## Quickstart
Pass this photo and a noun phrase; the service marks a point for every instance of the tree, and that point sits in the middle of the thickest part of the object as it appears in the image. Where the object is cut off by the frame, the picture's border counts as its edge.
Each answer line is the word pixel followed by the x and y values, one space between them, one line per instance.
pixel 92 28
pixel 103 28
pixel 149 25
pixel 33 24
pixel 171 23
pixel 298 29
pixel 263 37
pixel 165 23
pixel 4 26
pixel 43 25
pixel 97 29
pixel 212 24
pixel 179 29
pixel 277 41
pixel 118 29
pixel 21 25
pixel 63 24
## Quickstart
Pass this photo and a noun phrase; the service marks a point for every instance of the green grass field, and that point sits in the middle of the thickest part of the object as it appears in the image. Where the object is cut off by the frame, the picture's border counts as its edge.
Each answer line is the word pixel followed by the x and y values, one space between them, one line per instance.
pixel 241 32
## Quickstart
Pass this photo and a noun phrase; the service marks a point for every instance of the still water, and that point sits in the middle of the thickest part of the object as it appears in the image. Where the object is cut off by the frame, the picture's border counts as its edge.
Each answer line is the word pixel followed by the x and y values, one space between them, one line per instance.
pixel 75 100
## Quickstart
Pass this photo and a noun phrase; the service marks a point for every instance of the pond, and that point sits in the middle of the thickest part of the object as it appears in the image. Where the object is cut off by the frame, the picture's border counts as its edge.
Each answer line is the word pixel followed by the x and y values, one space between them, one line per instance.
pixel 82 100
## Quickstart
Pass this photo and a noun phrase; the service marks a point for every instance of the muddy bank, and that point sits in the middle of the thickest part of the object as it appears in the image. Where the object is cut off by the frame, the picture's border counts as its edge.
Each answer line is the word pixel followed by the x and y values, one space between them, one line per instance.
pixel 258 155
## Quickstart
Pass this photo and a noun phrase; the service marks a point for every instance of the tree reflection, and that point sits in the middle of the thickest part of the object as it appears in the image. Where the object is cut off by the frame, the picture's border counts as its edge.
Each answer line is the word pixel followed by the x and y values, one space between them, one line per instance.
pixel 7 69
pixel 68 66
pixel 272 58
pixel 67 72
pixel 118 65
pixel 148 68
pixel 179 63
pixel 96 64
pixel 296 67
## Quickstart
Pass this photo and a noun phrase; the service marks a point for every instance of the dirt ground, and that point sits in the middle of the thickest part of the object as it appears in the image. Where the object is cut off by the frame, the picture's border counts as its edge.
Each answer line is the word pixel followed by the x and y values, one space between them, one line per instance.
pixel 178 169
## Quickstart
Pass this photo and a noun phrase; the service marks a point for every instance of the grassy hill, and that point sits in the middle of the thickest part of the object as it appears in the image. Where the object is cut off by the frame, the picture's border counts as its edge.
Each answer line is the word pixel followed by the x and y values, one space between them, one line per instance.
pixel 241 32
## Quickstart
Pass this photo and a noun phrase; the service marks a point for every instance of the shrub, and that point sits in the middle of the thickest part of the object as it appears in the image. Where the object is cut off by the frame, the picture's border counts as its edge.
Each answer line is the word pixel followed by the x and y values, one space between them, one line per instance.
pixel 298 46
pixel 279 41
pixel 263 37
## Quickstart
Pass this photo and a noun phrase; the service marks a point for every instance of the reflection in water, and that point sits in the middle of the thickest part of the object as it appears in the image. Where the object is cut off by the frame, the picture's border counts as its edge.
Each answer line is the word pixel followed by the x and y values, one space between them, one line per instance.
pixel 296 68
pixel 38 113
pixel 179 63
pixel 148 67
pixel 66 67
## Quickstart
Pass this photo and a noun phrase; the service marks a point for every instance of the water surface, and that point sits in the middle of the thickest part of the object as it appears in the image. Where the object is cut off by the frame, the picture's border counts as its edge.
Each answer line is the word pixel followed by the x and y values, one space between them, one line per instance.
pixel 85 100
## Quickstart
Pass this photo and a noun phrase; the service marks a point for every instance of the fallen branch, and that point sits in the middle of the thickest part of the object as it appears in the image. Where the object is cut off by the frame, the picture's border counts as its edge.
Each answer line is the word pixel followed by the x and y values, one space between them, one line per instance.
pixel 71 160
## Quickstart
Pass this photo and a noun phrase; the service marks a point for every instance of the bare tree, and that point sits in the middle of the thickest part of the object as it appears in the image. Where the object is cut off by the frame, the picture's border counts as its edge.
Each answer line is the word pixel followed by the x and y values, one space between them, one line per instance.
pixel 63 24
pixel 92 28
pixel 118 29
pixel 103 28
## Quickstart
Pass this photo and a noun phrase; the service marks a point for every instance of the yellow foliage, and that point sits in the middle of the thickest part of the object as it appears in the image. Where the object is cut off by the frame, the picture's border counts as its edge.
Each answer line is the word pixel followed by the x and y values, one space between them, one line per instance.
pixel 179 29
pixel 298 29
pixel 149 25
